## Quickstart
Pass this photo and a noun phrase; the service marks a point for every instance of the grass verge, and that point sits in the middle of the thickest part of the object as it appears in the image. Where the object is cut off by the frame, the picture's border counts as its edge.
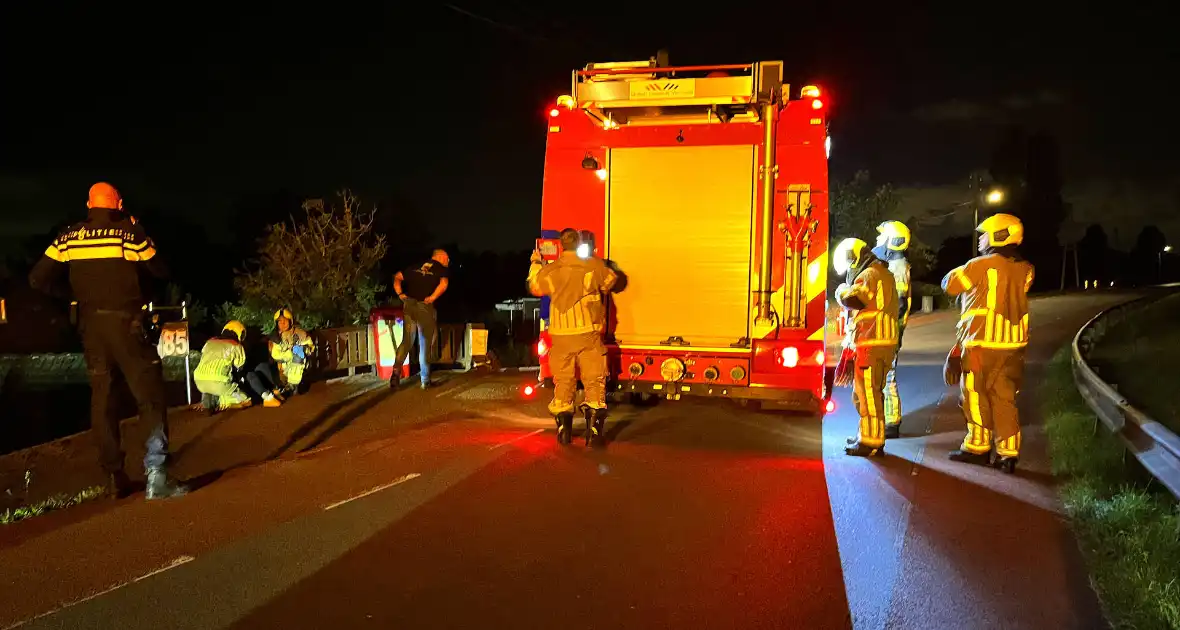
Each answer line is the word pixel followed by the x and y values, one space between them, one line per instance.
pixel 57 502
pixel 1129 534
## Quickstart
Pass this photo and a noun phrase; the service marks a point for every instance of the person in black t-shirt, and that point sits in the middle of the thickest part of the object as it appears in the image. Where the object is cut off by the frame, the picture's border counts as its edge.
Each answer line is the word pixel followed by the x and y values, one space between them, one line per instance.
pixel 418 288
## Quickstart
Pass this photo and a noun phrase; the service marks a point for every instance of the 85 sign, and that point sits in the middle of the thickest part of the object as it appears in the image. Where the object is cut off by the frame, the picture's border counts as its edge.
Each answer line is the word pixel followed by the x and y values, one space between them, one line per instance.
pixel 174 340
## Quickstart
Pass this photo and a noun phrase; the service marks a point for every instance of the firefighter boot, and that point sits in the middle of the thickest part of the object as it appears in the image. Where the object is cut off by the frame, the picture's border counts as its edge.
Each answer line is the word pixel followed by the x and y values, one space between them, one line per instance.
pixel 159 486
pixel 1006 464
pixel 967 457
pixel 210 403
pixel 118 485
pixel 565 427
pixel 595 427
pixel 857 449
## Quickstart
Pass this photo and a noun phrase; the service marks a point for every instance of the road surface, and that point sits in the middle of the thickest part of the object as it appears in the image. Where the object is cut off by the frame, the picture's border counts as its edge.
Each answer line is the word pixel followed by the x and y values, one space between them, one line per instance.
pixel 698 515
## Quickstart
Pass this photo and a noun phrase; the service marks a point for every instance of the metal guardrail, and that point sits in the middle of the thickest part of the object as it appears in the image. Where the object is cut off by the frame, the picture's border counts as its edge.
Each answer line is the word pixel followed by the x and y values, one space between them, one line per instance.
pixel 1154 445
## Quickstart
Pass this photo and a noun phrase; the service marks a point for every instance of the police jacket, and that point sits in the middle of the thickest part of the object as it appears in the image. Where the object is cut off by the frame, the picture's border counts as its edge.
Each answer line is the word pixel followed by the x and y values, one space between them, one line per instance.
pixel 105 255
pixel 994 295
pixel 873 297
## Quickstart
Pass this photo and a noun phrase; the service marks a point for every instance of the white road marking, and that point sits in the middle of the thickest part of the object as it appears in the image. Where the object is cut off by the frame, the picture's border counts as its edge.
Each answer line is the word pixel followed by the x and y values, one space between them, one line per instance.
pixel 399 480
pixel 516 439
pixel 171 565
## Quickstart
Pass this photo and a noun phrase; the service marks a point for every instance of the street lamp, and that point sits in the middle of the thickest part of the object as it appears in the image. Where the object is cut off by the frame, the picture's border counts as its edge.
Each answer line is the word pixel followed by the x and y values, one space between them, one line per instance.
pixel 1159 265
pixel 995 197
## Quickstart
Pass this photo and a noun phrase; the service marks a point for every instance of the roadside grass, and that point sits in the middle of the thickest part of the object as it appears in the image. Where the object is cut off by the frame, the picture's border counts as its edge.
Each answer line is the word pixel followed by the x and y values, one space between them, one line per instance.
pixel 1128 532
pixel 56 502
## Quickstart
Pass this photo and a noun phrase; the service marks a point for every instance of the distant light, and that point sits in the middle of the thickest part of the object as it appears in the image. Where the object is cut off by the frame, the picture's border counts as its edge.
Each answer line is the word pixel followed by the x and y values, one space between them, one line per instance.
pixel 828 147
pixel 601 173
pixel 583 251
pixel 554 112
pixel 817 104
pixel 995 197
pixel 1167 248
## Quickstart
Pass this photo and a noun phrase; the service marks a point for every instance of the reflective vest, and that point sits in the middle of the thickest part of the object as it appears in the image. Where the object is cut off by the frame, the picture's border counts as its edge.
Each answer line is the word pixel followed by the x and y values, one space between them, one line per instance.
pixel 994 295
pixel 219 359
pixel 873 297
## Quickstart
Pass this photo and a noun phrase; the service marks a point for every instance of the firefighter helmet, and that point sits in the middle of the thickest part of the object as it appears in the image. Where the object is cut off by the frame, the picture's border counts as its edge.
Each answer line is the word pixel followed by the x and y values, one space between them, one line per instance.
pixel 284 313
pixel 848 254
pixel 237 328
pixel 894 235
pixel 1002 230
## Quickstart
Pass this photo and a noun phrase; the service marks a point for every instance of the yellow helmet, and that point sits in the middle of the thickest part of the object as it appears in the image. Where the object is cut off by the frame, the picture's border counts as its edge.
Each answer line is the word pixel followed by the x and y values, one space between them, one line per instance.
pixel 848 254
pixel 237 328
pixel 894 235
pixel 1002 230
pixel 284 313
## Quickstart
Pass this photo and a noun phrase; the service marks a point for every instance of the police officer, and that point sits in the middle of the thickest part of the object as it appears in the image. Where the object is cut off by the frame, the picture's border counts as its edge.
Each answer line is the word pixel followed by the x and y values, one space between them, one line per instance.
pixel 992 336
pixel 577 319
pixel 104 256
pixel 870 294
pixel 893 239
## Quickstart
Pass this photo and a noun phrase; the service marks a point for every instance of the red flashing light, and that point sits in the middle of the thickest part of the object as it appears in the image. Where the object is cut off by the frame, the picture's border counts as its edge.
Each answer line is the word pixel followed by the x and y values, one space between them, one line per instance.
pixel 553 113
pixel 789 357
pixel 817 104
pixel 542 348
pixel 830 406
pixel 820 357
pixel 528 391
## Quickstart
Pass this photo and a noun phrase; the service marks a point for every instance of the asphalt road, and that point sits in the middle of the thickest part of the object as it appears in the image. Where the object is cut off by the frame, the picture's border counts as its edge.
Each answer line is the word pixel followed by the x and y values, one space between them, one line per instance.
pixel 701 515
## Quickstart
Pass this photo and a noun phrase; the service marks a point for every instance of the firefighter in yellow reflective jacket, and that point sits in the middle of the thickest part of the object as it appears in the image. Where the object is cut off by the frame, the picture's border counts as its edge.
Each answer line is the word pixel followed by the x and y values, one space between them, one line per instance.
pixel 992 336
pixel 216 374
pixel 575 283
pixel 870 294
pixel 290 347
pixel 893 239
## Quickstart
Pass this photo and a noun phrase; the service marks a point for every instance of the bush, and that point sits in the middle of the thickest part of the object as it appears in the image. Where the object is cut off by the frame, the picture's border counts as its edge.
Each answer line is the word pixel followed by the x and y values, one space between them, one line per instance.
pixel 321 268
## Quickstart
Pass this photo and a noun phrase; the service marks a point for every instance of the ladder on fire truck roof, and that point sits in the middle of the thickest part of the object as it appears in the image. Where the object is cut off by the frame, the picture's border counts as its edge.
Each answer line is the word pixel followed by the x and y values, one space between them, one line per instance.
pixel 633 91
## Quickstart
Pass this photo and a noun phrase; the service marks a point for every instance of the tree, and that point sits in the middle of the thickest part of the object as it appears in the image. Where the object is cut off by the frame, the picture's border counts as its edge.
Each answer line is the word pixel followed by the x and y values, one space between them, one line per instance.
pixel 321 267
pixel 857 207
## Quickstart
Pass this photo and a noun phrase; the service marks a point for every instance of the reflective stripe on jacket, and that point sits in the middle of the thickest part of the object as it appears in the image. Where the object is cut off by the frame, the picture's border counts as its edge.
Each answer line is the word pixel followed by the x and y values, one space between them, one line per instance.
pixel 575 287
pixel 994 295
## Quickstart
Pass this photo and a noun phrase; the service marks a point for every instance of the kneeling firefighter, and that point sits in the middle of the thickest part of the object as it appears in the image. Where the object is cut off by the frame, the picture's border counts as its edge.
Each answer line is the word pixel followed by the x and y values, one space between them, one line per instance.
pixel 991 340
pixel 870 295
pixel 217 375
pixel 893 239
pixel 577 320
pixel 290 347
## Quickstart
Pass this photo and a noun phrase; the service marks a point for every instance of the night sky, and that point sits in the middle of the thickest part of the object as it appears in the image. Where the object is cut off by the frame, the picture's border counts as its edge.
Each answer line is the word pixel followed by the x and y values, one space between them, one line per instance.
pixel 437 110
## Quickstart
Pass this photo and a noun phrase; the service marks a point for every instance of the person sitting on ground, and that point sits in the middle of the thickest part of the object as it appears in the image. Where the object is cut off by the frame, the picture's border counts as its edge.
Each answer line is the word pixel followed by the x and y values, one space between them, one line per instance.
pixel 216 374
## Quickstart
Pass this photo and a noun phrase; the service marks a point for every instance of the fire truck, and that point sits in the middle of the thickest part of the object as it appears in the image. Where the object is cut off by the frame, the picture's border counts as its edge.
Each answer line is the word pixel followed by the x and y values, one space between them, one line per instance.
pixel 707 188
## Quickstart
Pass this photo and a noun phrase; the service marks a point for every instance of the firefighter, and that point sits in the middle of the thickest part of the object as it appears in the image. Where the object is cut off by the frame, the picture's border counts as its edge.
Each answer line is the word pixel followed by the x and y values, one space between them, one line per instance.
pixel 870 295
pixel 104 256
pixel 991 337
pixel 577 320
pixel 290 347
pixel 216 375
pixel 893 239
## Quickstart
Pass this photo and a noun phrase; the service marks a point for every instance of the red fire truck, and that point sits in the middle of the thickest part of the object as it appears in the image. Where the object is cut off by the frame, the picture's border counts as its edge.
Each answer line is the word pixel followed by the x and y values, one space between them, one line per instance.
pixel 707 187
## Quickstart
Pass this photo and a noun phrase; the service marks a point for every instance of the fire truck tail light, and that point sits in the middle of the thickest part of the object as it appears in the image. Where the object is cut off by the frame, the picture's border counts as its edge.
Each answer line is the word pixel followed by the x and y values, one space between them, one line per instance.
pixel 554 112
pixel 820 358
pixel 817 104
pixel 789 357
pixel 809 91
pixel 542 348
pixel 830 406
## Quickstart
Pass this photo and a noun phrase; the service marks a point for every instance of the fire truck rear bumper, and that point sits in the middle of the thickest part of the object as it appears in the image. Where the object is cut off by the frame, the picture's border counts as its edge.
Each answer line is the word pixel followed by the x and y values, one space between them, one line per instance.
pixel 792 399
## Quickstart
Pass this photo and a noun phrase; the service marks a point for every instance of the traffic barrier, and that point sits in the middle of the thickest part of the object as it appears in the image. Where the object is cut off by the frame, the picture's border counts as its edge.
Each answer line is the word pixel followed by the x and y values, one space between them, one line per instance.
pixel 1154 445
pixel 348 349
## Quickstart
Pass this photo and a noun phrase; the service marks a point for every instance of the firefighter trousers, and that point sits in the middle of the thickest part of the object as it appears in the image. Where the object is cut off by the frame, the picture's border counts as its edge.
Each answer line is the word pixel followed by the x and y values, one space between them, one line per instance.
pixel 987 393
pixel 228 393
pixel 115 348
pixel 570 357
pixel 868 392
pixel 892 397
